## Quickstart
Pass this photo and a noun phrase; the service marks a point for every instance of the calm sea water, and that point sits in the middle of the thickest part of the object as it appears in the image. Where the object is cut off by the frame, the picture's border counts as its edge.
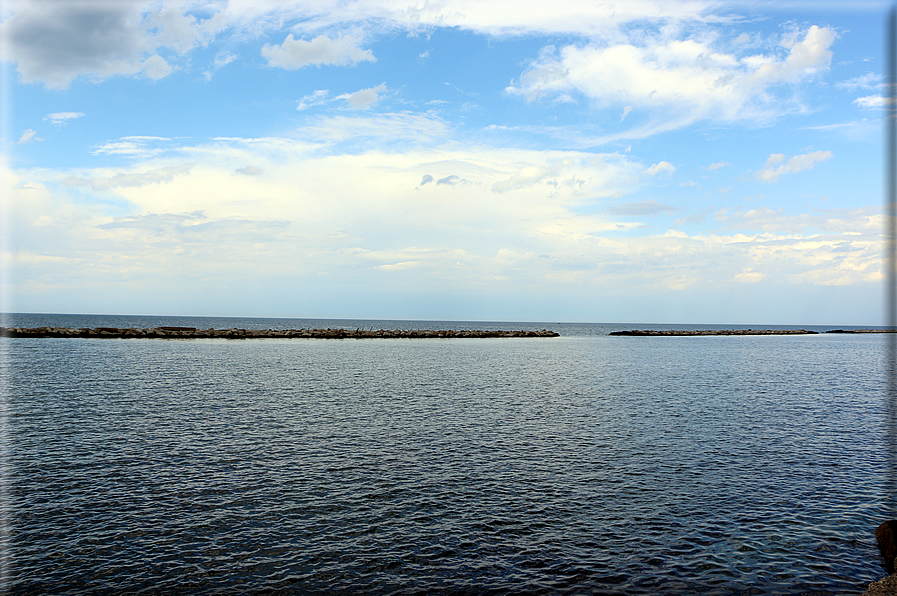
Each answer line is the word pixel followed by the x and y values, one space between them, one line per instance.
pixel 583 464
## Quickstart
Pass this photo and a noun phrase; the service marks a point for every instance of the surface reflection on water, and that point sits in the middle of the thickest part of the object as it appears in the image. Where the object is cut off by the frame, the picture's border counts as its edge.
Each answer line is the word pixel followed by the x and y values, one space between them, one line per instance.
pixel 567 465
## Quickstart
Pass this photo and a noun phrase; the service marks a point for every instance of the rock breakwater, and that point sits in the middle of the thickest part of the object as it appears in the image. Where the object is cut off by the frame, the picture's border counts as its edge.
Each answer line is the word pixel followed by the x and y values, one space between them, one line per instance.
pixel 193 333
pixel 682 332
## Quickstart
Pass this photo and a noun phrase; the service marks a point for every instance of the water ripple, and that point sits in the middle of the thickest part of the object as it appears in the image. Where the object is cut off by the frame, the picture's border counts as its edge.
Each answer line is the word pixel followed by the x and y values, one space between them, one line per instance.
pixel 568 466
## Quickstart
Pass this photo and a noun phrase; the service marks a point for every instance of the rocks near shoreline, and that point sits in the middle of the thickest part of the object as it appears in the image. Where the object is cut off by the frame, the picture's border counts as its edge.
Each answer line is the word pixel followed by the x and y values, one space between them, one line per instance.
pixel 682 332
pixel 193 333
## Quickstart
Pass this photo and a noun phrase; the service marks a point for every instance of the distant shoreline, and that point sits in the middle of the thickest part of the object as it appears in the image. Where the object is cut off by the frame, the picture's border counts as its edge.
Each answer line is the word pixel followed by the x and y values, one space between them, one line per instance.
pixel 194 333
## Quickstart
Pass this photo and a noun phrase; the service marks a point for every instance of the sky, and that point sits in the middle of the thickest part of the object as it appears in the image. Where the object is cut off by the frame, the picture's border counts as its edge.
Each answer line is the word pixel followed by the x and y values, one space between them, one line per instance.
pixel 575 160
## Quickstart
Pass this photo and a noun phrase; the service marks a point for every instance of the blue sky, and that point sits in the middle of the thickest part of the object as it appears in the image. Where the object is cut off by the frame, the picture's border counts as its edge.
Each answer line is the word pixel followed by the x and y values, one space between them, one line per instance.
pixel 641 161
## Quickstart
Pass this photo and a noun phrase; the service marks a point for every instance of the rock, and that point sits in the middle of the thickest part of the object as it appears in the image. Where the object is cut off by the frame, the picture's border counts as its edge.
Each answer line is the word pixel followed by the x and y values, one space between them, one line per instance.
pixel 886 535
pixel 883 587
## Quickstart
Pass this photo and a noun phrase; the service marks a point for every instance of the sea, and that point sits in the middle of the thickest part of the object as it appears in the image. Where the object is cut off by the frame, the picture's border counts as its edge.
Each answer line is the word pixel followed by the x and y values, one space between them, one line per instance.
pixel 579 464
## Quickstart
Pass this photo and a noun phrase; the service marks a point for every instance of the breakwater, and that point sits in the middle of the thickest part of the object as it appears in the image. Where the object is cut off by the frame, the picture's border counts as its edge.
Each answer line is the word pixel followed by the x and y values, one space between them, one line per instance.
pixel 688 332
pixel 683 332
pixel 193 333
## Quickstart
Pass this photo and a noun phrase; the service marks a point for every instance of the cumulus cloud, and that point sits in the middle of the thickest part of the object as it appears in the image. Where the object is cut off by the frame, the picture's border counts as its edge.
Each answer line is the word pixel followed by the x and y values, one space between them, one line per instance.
pixel 155 67
pixel 296 53
pixel 775 167
pixel 663 166
pixel 59 118
pixel 680 81
pixel 183 32
pixel 363 98
pixel 29 135
pixel 323 222
pixel 716 166
pixel 55 42
pixel 426 180
pixel 449 180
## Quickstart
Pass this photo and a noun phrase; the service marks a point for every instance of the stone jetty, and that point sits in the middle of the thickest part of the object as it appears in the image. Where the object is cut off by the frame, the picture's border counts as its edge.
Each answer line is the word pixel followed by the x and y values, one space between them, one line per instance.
pixel 193 333
pixel 683 332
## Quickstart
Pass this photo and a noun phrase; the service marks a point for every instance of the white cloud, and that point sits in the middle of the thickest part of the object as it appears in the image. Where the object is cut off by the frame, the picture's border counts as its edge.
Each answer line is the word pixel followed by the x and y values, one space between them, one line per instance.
pixel 155 67
pixel 183 32
pixel 54 42
pixel 867 81
pixel 296 53
pixel 249 171
pixel 363 98
pixel 525 178
pixel 679 81
pixel 222 59
pixel 324 222
pixel 749 276
pixel 626 111
pixel 319 97
pixel 649 207
pixel 136 146
pixel 390 127
pixel 716 166
pixel 872 101
pixel 125 180
pixel 59 118
pixel 798 163
pixel 663 166
pixel 29 135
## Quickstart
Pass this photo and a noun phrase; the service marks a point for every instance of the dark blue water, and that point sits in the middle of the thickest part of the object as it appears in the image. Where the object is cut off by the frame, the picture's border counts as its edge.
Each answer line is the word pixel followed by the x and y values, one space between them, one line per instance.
pixel 578 464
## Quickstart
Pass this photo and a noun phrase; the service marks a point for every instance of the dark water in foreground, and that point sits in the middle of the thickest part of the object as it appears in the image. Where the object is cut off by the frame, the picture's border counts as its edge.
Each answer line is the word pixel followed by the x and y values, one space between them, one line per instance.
pixel 578 464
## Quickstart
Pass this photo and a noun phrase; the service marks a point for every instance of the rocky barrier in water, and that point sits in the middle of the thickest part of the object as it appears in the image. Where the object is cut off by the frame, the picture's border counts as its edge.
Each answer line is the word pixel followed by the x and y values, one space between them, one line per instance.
pixel 193 333
pixel 683 332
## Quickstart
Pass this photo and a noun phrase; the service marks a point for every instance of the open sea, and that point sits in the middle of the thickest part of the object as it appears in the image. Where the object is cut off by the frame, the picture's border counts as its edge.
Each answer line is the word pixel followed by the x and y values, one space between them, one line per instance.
pixel 581 464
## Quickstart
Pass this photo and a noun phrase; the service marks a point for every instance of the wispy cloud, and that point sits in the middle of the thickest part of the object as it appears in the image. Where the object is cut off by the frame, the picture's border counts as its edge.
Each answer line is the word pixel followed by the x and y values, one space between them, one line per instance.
pixel 60 118
pixel 642 208
pixel 317 98
pixel 867 81
pixel 137 146
pixel 221 60
pixel 775 167
pixel 126 180
pixel 29 135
